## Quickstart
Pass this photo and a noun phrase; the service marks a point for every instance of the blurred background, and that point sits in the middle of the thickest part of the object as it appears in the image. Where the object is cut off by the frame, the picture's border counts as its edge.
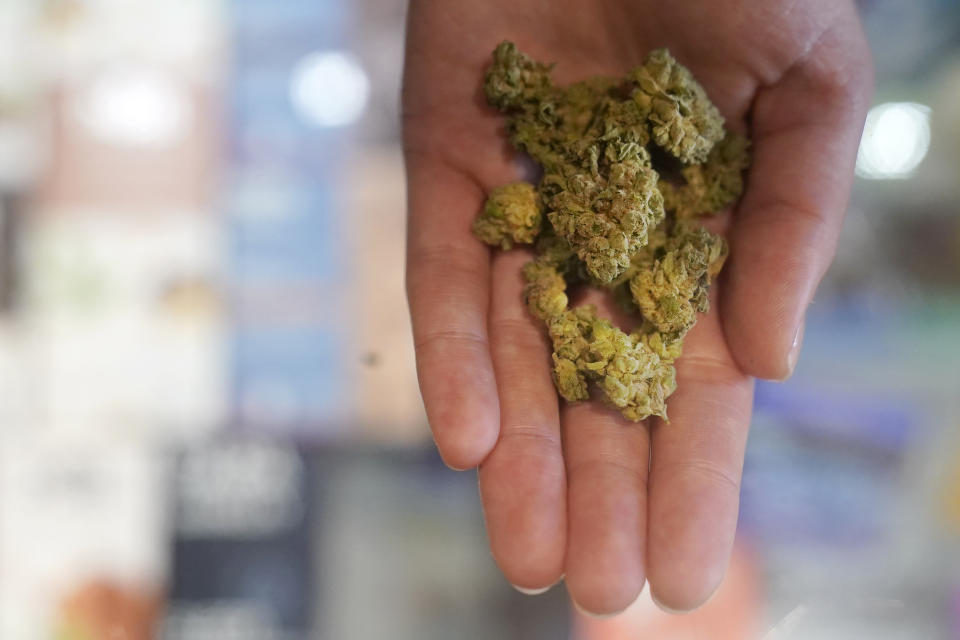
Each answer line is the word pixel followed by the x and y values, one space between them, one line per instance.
pixel 209 421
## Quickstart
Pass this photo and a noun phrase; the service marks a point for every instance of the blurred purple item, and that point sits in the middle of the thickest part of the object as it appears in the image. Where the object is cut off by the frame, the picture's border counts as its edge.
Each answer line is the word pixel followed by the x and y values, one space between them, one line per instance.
pixel 868 420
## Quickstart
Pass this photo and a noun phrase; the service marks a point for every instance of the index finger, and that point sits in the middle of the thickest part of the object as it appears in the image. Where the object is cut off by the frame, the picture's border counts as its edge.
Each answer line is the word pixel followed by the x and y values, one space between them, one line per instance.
pixel 448 287
pixel 453 157
pixel 806 128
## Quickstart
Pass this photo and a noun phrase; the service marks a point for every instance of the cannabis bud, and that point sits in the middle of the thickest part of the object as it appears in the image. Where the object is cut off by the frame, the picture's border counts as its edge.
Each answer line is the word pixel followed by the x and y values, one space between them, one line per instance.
pixel 511 215
pixel 713 185
pixel 633 376
pixel 683 120
pixel 514 79
pixel 601 215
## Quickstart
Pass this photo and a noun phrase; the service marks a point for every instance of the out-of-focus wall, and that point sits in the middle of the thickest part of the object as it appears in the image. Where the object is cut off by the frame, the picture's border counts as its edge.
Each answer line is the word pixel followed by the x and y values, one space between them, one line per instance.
pixel 201 214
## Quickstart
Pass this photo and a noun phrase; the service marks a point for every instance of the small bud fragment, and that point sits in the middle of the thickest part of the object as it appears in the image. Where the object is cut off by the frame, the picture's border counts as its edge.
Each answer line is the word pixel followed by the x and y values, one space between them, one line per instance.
pixel 511 215
pixel 673 289
pixel 545 292
pixel 514 78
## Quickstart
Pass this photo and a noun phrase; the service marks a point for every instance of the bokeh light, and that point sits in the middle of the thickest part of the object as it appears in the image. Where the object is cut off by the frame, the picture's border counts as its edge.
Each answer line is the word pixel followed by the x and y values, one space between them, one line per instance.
pixel 135 106
pixel 329 88
pixel 896 138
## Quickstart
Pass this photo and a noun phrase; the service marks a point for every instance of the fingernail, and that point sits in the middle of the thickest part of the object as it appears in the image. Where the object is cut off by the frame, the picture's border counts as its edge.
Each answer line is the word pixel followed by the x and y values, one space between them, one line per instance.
pixel 536 592
pixel 663 607
pixel 531 592
pixel 795 348
pixel 598 616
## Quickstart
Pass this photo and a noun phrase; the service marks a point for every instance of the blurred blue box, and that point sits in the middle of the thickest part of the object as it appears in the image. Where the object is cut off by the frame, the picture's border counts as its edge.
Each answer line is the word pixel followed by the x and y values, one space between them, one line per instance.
pixel 285 238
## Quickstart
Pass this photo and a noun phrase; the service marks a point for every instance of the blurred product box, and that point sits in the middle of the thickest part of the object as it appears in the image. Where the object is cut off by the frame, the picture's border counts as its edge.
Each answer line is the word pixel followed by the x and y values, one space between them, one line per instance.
pixel 402 554
pixel 121 328
pixel 83 528
pixel 290 299
pixel 242 547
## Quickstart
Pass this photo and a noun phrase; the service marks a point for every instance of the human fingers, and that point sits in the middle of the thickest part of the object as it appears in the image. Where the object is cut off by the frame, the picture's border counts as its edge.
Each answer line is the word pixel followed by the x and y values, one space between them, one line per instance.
pixel 806 127
pixel 607 463
pixel 522 481
pixel 448 288
pixel 696 464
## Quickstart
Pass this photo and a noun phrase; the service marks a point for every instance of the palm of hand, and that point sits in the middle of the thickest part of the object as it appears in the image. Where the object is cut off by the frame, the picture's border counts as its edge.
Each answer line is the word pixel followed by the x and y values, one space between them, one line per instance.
pixel 576 490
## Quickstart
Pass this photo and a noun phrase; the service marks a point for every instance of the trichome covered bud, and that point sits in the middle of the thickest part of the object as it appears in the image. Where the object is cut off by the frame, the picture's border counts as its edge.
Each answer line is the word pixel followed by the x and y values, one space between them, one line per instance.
pixel 673 288
pixel 712 186
pixel 511 215
pixel 632 376
pixel 605 220
pixel 545 291
pixel 684 121
pixel 601 215
pixel 514 78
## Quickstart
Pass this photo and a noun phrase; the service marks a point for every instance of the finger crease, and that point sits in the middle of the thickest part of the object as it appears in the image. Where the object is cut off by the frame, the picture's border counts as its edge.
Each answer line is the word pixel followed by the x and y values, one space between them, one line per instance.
pixel 531 433
pixel 517 330
pixel 716 474
pixel 637 476
pixel 709 369
pixel 468 339
pixel 792 210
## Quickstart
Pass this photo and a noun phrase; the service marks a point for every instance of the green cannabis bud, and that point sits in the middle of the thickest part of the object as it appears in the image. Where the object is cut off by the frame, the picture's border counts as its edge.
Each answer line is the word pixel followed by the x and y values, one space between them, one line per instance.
pixel 514 79
pixel 605 219
pixel 599 187
pixel 546 290
pixel 712 186
pixel 684 121
pixel 632 375
pixel 673 288
pixel 511 215
pixel 602 216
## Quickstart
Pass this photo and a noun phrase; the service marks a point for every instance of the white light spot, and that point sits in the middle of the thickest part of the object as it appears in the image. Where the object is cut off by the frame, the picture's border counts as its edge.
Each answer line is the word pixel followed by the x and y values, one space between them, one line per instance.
pixel 896 138
pixel 135 106
pixel 329 88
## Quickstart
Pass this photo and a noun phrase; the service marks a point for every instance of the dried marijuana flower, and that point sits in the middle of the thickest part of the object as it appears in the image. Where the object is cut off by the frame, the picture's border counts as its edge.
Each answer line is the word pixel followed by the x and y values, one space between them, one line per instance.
pixel 712 186
pixel 511 215
pixel 671 289
pixel 514 79
pixel 601 216
pixel 631 374
pixel 599 186
pixel 683 120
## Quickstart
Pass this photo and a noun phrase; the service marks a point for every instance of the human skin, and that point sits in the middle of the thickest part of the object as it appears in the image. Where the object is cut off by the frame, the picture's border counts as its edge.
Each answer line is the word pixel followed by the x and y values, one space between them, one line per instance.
pixel 576 491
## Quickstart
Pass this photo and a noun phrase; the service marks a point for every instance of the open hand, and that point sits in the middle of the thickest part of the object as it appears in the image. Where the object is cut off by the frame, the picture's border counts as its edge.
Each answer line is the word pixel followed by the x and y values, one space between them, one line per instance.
pixel 576 490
